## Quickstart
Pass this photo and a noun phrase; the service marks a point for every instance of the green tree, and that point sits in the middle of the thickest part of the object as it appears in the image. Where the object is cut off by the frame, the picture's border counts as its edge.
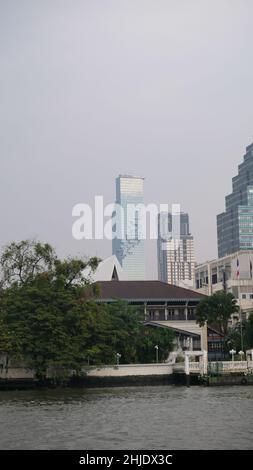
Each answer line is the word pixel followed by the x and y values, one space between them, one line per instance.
pixel 47 325
pixel 148 338
pixel 5 335
pixel 75 271
pixel 50 318
pixel 133 340
pixel 21 262
pixel 241 332
pixel 249 332
pixel 217 309
pixel 43 312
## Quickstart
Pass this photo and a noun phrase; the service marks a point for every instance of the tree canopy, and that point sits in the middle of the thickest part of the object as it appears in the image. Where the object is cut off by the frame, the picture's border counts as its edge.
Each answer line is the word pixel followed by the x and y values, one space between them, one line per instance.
pixel 242 333
pixel 217 309
pixel 20 262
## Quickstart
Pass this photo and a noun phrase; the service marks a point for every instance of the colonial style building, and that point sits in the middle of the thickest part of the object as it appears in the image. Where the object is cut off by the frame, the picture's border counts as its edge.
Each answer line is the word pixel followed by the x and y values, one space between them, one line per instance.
pixel 232 273
pixel 163 305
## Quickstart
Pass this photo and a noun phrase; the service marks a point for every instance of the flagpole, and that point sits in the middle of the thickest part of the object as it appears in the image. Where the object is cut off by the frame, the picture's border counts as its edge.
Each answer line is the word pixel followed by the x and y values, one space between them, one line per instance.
pixel 240 308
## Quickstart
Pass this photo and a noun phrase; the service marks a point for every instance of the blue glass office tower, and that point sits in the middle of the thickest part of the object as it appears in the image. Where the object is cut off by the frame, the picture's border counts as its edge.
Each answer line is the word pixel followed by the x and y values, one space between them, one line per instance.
pixel 235 225
pixel 129 250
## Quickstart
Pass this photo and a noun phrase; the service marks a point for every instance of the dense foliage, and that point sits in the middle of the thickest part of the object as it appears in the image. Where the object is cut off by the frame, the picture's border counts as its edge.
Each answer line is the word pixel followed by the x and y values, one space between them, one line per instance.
pixel 241 336
pixel 217 309
pixel 47 319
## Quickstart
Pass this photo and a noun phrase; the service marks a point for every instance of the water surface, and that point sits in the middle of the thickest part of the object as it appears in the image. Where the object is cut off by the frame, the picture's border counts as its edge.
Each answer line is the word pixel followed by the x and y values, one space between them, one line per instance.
pixel 161 417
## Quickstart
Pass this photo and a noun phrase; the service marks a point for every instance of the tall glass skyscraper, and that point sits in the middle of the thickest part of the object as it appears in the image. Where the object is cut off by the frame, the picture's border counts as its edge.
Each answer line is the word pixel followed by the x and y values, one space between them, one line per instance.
pixel 235 225
pixel 129 250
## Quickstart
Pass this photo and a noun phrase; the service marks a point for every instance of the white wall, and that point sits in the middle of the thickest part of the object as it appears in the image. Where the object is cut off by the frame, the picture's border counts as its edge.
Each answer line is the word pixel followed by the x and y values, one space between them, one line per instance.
pixel 131 370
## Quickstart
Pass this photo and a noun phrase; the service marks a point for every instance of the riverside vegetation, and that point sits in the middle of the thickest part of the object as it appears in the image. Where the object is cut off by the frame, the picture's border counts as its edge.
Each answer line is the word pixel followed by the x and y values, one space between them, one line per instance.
pixel 48 319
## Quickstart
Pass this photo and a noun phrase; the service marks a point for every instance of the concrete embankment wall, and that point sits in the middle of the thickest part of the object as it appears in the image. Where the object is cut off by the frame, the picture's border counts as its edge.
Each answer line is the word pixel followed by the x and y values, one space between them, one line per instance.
pixel 17 378
pixel 102 371
pixel 130 370
pixel 16 373
pixel 130 374
pixel 230 379
pixel 123 381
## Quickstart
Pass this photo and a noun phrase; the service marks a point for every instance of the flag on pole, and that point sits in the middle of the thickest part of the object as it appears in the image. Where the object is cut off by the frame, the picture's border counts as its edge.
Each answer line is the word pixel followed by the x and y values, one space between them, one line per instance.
pixel 238 269
pixel 250 269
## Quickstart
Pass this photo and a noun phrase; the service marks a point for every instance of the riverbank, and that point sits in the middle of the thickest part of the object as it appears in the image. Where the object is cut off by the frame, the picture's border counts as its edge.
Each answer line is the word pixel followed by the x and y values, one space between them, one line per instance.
pixel 127 381
pixel 124 375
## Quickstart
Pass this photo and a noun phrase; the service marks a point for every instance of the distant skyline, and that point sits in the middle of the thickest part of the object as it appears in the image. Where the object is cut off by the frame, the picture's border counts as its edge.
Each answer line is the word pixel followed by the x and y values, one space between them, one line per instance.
pixel 90 90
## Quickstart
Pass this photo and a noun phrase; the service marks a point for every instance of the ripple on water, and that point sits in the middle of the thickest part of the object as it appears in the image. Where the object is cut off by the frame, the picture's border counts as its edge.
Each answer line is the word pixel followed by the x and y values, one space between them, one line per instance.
pixel 165 417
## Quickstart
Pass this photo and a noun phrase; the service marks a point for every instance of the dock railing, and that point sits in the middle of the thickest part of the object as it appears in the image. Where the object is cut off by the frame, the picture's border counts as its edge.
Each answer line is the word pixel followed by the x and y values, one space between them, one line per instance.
pixel 223 366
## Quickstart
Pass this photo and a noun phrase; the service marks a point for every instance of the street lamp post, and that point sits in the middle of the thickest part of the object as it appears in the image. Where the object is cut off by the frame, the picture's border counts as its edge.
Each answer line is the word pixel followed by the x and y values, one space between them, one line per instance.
pixel 157 349
pixel 118 356
pixel 241 354
pixel 241 332
pixel 232 352
pixel 240 317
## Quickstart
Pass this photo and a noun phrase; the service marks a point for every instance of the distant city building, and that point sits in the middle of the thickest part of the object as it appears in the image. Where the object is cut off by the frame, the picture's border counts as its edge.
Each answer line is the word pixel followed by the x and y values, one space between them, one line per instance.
pixel 235 225
pixel 108 269
pixel 176 259
pixel 129 250
pixel 232 273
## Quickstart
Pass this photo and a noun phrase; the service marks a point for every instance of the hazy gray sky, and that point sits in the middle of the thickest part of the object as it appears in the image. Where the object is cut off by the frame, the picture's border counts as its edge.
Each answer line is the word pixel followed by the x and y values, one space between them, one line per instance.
pixel 93 88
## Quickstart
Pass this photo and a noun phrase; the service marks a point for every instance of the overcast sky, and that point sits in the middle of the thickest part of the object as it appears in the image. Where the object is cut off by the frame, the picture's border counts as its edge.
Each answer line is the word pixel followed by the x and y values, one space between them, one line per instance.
pixel 93 88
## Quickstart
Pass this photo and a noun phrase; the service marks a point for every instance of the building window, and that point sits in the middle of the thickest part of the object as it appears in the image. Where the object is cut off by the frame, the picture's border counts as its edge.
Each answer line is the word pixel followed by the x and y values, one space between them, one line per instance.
pixel 214 279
